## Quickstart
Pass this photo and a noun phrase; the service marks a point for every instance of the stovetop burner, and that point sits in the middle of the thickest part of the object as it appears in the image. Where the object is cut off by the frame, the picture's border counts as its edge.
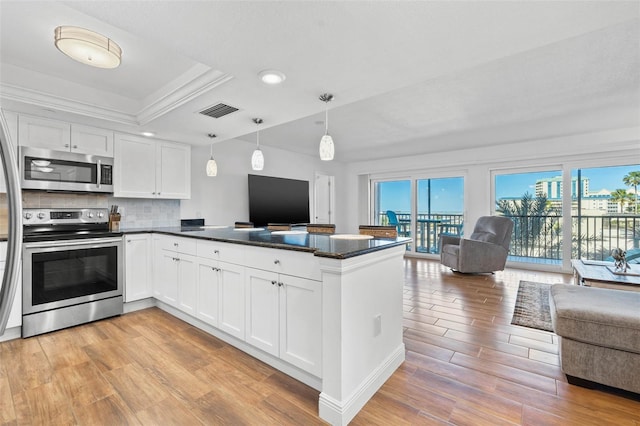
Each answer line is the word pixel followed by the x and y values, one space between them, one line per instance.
pixel 65 224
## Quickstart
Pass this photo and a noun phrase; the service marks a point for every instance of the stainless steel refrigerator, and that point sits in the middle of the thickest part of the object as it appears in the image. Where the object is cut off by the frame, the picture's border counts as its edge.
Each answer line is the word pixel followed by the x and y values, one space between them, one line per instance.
pixel 13 205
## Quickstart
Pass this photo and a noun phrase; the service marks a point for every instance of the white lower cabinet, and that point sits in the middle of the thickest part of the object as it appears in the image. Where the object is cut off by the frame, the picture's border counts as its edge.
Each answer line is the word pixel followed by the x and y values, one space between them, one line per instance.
pixel 137 281
pixel 244 293
pixel 231 281
pixel 284 317
pixel 175 272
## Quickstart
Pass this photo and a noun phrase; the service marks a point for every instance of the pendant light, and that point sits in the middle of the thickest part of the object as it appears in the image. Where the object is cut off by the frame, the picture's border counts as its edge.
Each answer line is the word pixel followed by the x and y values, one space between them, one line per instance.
pixel 327 149
pixel 212 166
pixel 257 159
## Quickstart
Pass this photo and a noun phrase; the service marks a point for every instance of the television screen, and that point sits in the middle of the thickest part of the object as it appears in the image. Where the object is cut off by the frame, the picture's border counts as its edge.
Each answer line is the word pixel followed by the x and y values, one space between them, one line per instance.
pixel 278 200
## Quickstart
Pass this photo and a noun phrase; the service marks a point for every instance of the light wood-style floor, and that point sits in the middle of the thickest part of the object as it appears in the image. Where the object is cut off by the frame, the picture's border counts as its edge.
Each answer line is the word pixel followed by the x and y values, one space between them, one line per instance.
pixel 466 365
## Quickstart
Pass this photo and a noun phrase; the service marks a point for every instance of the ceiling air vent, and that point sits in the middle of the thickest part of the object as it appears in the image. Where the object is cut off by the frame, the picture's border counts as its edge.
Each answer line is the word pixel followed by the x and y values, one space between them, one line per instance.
pixel 219 110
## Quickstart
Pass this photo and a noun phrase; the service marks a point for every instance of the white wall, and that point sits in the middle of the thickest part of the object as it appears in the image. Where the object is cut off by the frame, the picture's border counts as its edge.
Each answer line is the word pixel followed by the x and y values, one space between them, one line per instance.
pixel 224 199
pixel 607 148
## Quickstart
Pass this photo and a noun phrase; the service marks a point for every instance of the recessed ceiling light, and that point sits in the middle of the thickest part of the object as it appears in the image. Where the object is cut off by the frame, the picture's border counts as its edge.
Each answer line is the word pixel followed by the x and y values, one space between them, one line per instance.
pixel 148 134
pixel 272 76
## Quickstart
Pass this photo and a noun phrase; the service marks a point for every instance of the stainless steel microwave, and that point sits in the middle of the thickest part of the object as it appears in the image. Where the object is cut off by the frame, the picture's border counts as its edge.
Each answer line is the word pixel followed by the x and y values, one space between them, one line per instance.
pixel 64 171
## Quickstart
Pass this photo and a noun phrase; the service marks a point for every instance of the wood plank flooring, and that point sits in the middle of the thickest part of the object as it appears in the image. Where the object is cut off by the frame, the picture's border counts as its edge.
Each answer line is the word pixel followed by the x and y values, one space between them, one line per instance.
pixel 465 365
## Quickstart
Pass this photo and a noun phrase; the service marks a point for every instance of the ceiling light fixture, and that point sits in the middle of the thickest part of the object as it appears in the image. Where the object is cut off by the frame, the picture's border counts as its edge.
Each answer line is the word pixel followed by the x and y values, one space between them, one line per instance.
pixel 257 159
pixel 148 134
pixel 88 47
pixel 212 166
pixel 272 76
pixel 327 148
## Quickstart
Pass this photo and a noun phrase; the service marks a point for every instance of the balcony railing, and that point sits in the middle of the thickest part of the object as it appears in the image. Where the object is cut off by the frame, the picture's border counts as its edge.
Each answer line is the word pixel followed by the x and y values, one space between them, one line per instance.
pixel 537 238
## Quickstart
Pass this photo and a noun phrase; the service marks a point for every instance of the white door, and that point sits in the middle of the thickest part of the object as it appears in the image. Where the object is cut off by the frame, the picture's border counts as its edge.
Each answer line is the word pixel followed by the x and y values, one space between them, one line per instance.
pixel 324 199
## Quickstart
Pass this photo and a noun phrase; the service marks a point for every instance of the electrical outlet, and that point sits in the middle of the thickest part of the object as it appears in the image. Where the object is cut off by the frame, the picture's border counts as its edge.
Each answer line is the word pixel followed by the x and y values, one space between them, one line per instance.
pixel 377 325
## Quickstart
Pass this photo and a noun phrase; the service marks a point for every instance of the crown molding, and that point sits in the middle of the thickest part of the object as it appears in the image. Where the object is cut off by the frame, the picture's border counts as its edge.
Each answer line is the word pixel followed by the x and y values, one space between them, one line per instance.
pixel 46 100
pixel 165 103
pixel 182 94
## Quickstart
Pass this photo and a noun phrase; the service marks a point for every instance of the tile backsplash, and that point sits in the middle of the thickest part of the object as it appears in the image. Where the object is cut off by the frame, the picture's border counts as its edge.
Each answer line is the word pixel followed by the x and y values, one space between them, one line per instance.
pixel 136 212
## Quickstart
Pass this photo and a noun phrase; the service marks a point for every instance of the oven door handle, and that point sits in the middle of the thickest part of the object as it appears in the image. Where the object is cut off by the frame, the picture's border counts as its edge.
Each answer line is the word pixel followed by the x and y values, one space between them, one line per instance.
pixel 68 243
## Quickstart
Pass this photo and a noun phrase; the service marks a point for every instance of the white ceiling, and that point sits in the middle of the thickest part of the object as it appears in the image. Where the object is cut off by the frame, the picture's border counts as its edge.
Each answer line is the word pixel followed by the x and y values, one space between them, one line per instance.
pixel 408 77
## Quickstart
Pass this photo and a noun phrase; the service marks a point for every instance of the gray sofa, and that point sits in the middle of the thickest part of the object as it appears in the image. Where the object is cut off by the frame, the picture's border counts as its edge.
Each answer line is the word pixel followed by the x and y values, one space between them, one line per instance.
pixel 485 250
pixel 599 332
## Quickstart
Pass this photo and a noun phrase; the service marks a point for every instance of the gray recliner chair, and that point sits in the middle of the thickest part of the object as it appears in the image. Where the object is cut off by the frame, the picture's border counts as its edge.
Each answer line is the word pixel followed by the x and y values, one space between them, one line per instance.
pixel 484 251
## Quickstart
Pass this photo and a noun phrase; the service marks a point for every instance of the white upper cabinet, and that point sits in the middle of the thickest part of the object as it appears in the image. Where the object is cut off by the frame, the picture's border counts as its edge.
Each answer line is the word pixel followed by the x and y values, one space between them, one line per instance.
pixel 146 168
pixel 61 136
pixel 91 140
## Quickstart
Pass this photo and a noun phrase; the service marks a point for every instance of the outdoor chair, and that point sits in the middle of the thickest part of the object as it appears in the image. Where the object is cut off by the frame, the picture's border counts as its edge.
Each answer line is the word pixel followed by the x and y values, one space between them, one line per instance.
pixel 393 221
pixel 484 251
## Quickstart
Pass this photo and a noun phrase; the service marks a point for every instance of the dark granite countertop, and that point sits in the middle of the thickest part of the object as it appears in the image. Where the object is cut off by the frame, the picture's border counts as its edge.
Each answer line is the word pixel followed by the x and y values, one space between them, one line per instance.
pixel 319 244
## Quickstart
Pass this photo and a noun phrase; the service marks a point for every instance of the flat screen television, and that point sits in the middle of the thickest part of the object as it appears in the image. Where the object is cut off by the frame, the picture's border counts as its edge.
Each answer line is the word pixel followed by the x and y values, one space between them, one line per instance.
pixel 278 200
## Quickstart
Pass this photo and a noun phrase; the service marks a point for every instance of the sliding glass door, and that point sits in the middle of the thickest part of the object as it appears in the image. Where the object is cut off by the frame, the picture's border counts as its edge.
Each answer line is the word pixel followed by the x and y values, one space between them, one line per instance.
pixel 420 208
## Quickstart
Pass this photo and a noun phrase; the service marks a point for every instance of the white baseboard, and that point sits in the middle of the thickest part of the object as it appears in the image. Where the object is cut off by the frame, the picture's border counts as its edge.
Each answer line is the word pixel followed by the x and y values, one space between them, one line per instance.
pixel 342 412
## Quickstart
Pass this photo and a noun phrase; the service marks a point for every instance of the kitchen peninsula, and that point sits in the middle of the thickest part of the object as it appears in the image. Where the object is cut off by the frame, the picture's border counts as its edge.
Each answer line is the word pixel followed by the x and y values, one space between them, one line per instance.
pixel 323 309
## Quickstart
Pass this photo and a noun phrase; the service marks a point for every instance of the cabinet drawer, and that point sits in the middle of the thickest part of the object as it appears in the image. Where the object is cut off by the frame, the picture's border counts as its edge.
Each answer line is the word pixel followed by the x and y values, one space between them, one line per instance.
pixel 179 245
pixel 225 252
pixel 284 262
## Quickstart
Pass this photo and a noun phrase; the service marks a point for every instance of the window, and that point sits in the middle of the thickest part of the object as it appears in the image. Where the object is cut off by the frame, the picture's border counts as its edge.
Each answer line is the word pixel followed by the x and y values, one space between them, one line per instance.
pixel 533 201
pixel 438 205
pixel 440 211
pixel 604 213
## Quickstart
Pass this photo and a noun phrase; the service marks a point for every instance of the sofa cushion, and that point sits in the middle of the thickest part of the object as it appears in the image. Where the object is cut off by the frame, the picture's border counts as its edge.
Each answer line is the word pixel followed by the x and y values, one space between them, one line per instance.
pixel 604 317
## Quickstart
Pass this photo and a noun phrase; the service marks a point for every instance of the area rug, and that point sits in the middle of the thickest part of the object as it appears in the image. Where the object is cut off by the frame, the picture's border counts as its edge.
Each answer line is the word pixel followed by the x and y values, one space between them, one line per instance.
pixel 532 306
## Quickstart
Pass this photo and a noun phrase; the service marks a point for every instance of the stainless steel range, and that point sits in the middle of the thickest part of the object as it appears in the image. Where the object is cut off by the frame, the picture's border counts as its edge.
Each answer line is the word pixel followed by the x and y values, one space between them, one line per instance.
pixel 72 269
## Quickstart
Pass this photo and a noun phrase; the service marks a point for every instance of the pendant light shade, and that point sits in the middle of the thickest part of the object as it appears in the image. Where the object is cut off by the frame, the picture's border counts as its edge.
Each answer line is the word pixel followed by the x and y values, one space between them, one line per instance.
pixel 87 47
pixel 257 159
pixel 327 149
pixel 212 166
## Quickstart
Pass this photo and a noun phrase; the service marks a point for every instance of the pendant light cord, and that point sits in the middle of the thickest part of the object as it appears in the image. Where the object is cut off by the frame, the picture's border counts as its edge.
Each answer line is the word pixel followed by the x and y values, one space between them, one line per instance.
pixel 326 120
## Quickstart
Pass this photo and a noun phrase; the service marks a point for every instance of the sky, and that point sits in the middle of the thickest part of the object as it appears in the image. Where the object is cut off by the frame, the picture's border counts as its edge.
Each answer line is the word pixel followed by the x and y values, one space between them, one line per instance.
pixel 447 193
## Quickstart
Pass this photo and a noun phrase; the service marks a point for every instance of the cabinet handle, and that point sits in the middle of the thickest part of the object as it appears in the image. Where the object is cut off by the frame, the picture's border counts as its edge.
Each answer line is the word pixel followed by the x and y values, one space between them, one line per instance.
pixel 274 282
pixel 280 284
pixel 66 145
pixel 153 193
pixel 175 244
pixel 128 241
pixel 216 252
pixel 276 262
pixel 75 147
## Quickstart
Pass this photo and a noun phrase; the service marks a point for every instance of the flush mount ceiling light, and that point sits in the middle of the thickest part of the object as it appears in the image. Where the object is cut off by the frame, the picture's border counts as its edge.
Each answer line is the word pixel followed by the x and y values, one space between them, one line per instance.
pixel 212 166
pixel 148 134
pixel 87 47
pixel 327 149
pixel 272 76
pixel 257 159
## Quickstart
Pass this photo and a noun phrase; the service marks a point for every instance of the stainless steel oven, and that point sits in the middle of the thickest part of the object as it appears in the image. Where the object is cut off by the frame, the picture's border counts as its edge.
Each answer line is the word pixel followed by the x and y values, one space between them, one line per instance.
pixel 72 269
pixel 64 171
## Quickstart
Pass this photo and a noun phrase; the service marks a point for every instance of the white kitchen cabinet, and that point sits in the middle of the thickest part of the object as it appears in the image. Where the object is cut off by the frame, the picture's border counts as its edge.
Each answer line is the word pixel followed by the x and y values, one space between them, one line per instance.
pixel 175 272
pixel 145 168
pixel 208 292
pixel 91 140
pixel 232 302
pixel 138 255
pixel 62 136
pixel 284 317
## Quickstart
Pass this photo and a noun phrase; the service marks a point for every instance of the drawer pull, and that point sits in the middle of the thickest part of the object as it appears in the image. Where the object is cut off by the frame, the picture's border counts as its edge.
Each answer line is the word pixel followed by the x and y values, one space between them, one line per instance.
pixel 280 284
pixel 274 282
pixel 277 262
pixel 216 252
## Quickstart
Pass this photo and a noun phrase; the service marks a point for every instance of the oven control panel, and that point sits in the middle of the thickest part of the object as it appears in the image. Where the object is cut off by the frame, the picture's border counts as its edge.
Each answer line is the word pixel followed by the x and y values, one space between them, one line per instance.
pixel 64 216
